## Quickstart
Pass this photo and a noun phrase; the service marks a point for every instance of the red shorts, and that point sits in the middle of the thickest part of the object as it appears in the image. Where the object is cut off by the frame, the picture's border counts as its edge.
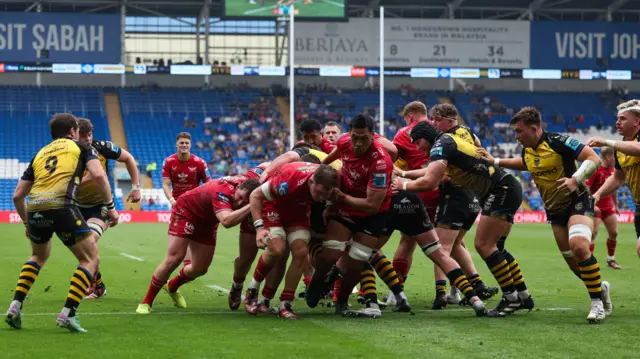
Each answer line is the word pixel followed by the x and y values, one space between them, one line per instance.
pixel 183 226
pixel 285 215
pixel 603 213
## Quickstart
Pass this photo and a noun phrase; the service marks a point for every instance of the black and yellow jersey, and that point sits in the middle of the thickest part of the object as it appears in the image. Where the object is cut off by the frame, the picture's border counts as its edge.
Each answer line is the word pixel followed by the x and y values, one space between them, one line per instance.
pixel 56 172
pixel 464 165
pixel 554 157
pixel 88 192
pixel 337 164
pixel 449 188
pixel 631 167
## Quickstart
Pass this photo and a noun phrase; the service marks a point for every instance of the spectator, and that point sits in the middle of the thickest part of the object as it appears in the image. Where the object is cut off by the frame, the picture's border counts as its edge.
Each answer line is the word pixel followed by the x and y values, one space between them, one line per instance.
pixel 151 167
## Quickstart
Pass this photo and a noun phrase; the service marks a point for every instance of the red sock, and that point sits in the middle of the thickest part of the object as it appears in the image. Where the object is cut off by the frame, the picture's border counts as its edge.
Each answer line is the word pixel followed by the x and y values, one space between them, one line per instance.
pixel 611 247
pixel 287 295
pixel 592 247
pixel 402 268
pixel 306 281
pixel 186 262
pixel 178 281
pixel 336 289
pixel 154 289
pixel 268 292
pixel 262 269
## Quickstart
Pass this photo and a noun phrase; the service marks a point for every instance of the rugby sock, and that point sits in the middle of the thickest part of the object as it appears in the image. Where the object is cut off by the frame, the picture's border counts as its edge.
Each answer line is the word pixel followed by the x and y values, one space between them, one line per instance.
pixel 475 280
pixel 368 283
pixel 238 282
pixel 441 288
pixel 186 262
pixel 388 274
pixel 459 280
pixel 99 280
pixel 516 275
pixel 261 271
pixel 592 247
pixel 178 281
pixel 336 289
pixel 287 295
pixel 402 269
pixel 590 274
pixel 154 288
pixel 501 243
pixel 80 282
pixel 306 281
pixel 268 293
pixel 611 249
pixel 28 275
pixel 500 270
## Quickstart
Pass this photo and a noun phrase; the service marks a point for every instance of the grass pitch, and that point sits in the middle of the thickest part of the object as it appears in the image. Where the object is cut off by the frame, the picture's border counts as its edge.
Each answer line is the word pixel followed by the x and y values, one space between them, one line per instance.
pixel 319 8
pixel 207 329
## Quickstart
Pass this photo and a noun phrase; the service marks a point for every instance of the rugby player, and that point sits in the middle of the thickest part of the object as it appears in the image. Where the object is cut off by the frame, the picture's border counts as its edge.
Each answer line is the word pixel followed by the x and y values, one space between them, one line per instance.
pixel 312 134
pixel 90 201
pixel 627 158
pixel 359 212
pixel 51 182
pixel 182 172
pixel 457 212
pixel 606 208
pixel 332 131
pixel 194 224
pixel 499 192
pixel 551 160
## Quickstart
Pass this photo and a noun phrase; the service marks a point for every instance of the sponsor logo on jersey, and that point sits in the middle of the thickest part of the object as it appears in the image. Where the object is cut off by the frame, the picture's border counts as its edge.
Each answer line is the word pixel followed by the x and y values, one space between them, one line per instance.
pixel 258 170
pixel 572 143
pixel 354 174
pixel 301 182
pixel 189 228
pixel 37 215
pixel 380 179
pixel 405 200
pixel 536 161
pixel 283 188
pixel 223 197
pixel 436 151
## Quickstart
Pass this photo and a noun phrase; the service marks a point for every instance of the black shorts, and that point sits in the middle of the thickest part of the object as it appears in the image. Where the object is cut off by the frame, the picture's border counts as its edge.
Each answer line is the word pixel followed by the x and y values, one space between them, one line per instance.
pixel 94 212
pixel 371 225
pixel 408 215
pixel 636 222
pixel 315 219
pixel 583 205
pixel 67 223
pixel 458 208
pixel 504 199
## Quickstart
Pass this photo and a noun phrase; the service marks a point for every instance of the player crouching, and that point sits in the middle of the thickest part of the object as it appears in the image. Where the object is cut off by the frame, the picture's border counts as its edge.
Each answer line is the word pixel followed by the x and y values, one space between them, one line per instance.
pixel 194 225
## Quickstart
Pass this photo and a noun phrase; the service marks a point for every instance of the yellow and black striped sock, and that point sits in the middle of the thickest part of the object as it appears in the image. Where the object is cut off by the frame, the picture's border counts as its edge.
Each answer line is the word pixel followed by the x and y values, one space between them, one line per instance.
pixel 80 282
pixel 500 270
pixel 516 275
pixel 99 280
pixel 368 283
pixel 590 273
pixel 388 274
pixel 475 280
pixel 28 275
pixel 441 288
pixel 459 280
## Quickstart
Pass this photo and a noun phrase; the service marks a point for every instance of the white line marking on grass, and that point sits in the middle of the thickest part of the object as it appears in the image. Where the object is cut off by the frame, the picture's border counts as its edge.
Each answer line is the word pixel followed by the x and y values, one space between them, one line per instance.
pixel 333 3
pixel 228 312
pixel 220 289
pixel 132 257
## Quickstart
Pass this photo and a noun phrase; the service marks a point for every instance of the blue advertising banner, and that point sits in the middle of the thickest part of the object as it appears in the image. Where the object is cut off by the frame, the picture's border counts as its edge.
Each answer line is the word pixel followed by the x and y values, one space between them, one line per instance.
pixel 585 45
pixel 70 38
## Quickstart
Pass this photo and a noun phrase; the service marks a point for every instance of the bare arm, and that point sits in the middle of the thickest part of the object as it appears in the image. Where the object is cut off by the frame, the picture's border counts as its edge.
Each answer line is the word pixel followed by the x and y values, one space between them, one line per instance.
pixel 334 155
pixel 476 141
pixel 256 200
pixel 230 219
pixel 630 148
pixel 130 163
pixel 415 174
pixel 100 178
pixel 370 204
pixel 389 147
pixel 166 188
pixel 610 185
pixel 19 198
pixel 283 159
pixel 430 180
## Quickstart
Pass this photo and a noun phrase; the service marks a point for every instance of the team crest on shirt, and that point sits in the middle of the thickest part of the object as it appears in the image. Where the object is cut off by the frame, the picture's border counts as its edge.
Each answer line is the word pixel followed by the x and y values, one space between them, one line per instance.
pixel 283 188
pixel 182 177
pixel 189 228
pixel 536 161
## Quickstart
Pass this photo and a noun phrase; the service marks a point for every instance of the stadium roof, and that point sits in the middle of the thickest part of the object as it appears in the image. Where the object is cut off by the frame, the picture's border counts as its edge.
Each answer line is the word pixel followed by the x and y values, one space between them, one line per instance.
pixel 557 10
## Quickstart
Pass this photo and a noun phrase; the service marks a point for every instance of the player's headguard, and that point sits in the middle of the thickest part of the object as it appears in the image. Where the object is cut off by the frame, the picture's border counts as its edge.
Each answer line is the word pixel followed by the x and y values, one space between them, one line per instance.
pixel 424 129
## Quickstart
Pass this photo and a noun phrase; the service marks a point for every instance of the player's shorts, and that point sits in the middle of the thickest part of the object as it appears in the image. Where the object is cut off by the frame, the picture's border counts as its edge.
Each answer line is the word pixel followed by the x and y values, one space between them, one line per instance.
pixel 372 225
pixel 408 215
pixel 285 215
pixel 581 206
pixel 94 212
pixel 182 225
pixel 431 201
pixel 603 213
pixel 458 209
pixel 504 199
pixel 67 223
